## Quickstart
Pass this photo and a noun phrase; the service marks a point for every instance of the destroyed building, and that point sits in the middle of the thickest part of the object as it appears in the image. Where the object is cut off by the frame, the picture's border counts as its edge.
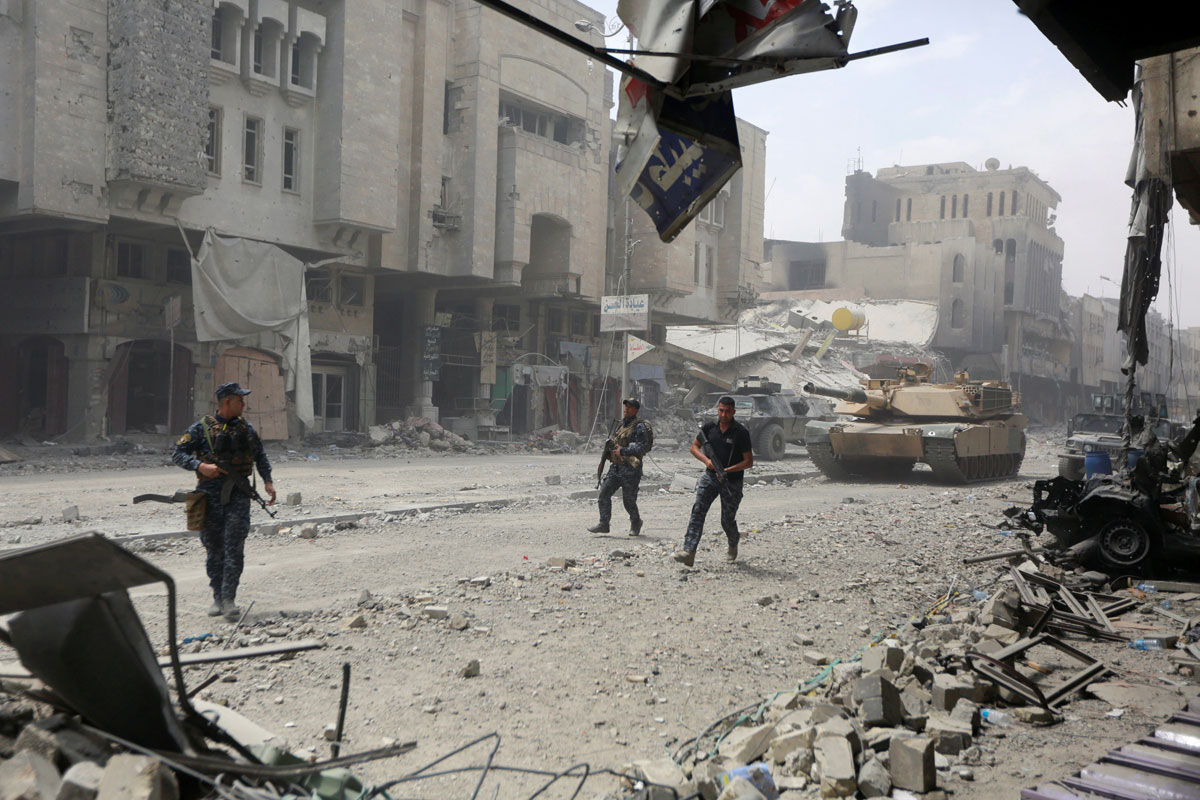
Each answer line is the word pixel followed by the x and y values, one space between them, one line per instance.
pixel 979 243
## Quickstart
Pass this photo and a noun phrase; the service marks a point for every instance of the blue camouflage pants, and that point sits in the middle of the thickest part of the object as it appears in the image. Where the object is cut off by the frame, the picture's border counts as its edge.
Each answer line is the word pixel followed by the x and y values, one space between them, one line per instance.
pixel 707 490
pixel 224 539
pixel 627 479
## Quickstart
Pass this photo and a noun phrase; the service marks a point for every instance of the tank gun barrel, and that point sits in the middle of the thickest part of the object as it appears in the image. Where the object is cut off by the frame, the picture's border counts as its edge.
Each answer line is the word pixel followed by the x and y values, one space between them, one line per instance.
pixel 853 395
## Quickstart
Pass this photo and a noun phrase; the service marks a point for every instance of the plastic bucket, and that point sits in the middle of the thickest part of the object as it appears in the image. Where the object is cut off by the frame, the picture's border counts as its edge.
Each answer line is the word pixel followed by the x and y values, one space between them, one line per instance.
pixel 1133 457
pixel 1097 463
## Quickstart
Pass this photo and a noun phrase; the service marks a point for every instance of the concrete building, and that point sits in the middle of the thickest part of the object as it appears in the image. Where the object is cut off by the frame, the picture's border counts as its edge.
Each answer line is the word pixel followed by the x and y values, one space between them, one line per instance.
pixel 980 243
pixel 445 167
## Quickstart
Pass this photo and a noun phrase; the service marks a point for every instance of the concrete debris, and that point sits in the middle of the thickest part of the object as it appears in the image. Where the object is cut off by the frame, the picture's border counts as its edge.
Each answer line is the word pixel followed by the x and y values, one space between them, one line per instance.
pixel 135 777
pixel 70 514
pixel 745 744
pixel 910 763
pixel 81 782
pixel 471 670
pixel 308 530
pixel 293 499
pixel 28 776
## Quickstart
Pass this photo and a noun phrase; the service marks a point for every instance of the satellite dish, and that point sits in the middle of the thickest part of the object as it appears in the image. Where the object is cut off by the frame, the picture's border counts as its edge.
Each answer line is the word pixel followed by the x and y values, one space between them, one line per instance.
pixel 992 164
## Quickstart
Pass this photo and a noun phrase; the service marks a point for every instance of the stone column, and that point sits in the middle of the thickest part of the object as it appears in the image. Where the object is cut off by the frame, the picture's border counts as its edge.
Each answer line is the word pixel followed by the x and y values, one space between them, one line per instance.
pixel 483 312
pixel 421 311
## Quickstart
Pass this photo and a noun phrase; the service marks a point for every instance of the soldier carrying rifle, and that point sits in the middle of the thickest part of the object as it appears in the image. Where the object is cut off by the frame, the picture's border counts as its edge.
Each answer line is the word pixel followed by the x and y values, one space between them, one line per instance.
pixel 624 449
pixel 223 449
pixel 724 448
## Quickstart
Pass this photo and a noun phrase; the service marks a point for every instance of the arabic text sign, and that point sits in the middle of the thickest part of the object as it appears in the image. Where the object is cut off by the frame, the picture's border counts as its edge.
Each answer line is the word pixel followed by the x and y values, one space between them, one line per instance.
pixel 625 313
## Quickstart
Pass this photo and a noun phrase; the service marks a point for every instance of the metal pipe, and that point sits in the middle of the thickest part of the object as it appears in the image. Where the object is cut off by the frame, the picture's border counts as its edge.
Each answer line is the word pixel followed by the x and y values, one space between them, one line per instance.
pixel 341 719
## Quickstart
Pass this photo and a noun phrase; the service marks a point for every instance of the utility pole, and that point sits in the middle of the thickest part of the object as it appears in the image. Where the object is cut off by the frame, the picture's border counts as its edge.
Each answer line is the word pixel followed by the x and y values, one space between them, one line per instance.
pixel 625 277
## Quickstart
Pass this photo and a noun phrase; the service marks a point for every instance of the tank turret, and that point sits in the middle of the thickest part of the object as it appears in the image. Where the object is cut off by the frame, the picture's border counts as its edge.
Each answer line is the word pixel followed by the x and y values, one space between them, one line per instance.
pixel 965 431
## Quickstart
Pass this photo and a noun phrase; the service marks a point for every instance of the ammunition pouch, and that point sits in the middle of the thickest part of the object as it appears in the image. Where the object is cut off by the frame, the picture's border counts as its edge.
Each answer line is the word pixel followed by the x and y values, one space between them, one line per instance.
pixel 196 506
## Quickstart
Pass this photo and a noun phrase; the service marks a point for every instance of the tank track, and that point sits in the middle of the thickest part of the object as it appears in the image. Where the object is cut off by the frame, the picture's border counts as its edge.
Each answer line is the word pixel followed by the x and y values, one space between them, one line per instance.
pixel 830 465
pixel 941 457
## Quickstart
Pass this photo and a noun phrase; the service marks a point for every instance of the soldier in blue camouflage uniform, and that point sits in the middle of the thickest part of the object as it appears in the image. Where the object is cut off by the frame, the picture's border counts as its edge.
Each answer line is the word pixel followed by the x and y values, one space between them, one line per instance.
pixel 631 440
pixel 224 437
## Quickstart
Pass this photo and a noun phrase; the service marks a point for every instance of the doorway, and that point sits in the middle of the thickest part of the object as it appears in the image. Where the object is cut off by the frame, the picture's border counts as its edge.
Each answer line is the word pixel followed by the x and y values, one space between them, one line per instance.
pixel 144 395
pixel 41 408
pixel 329 399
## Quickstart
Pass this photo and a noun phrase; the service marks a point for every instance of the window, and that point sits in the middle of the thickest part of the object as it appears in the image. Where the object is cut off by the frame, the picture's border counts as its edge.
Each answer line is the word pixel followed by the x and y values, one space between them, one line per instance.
pixel 897 209
pixel 1013 210
pixel 444 197
pixel 966 199
pixel 959 268
pixel 954 206
pixel 943 211
pixel 696 265
pixel 130 258
pixel 1001 211
pixel 718 213
pixel 578 323
pixel 705 214
pixel 179 266
pixel 874 208
pixel 710 264
pixel 989 204
pixel 556 320
pixel 295 66
pixel 547 124
pixel 908 210
pixel 318 287
pixel 212 146
pixel 352 290
pixel 257 54
pixel 998 246
pixel 252 151
pixel 957 313
pixel 447 105
pixel 217 34
pixel 291 160
pixel 506 318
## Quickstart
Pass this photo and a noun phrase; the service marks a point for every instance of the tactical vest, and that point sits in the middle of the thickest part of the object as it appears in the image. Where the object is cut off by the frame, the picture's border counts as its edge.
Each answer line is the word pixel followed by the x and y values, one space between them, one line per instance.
pixel 231 444
pixel 623 437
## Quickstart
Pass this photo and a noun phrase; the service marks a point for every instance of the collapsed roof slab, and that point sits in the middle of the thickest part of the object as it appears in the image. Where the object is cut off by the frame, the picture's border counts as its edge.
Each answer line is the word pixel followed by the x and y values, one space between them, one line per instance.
pixel 720 344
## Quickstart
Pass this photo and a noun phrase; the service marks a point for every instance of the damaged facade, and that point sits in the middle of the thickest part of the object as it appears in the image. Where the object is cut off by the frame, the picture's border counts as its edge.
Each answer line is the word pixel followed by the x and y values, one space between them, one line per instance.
pixel 448 198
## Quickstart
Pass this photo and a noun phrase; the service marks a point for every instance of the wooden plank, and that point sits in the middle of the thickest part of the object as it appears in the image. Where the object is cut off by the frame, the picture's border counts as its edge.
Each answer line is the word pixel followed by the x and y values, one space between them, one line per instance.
pixel 798 350
pixel 823 348
pixel 705 375
pixel 14 669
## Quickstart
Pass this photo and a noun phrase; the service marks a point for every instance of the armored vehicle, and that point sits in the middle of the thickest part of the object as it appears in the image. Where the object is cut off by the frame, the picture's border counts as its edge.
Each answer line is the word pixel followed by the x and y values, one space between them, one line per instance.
pixel 1104 430
pixel 965 431
pixel 773 416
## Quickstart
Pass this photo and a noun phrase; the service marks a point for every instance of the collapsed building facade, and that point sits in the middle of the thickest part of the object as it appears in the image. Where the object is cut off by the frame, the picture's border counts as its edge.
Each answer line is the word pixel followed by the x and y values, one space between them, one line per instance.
pixel 979 243
pixel 445 200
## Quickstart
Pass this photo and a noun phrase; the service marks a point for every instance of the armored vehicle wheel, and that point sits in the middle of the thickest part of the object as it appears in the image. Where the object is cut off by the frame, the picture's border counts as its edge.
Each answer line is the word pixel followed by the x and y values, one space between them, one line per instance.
pixel 770 445
pixel 1070 468
pixel 1123 543
pixel 826 460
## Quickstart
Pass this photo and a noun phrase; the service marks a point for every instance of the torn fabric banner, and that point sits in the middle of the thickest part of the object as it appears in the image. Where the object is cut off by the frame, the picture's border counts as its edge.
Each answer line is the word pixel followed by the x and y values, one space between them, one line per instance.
pixel 680 154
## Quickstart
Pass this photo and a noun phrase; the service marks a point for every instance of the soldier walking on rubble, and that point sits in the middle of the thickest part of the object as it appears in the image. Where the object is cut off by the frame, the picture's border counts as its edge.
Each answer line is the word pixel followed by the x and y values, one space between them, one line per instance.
pixel 724 448
pixel 223 449
pixel 631 441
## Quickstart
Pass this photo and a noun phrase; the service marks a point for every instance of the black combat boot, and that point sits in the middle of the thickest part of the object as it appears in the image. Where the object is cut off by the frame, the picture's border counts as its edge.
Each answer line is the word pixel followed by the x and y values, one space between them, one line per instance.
pixel 599 527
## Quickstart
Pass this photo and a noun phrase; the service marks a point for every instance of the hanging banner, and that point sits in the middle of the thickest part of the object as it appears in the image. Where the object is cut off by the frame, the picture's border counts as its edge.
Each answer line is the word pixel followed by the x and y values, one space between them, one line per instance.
pixel 637 348
pixel 624 313
pixel 431 354
pixel 487 357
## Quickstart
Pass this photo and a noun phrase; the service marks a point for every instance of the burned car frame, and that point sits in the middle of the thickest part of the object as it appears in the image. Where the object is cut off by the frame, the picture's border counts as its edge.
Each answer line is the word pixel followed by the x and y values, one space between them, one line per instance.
pixel 1144 518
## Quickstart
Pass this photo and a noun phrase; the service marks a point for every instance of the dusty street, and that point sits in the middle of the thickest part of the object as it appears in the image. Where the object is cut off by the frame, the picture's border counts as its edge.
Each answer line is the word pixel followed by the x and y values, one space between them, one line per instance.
pixel 620 656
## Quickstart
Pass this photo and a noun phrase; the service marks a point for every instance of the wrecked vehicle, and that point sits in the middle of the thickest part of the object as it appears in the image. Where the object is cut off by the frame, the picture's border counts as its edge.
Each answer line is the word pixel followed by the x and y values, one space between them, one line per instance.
pixel 965 431
pixel 773 415
pixel 1144 518
pixel 1102 430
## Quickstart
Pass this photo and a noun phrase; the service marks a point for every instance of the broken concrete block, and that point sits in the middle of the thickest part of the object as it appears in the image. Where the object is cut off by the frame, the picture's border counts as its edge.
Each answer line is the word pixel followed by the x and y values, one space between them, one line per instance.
pixel 794 720
pixel 129 777
pixel 949 735
pixel 967 713
pixel 70 514
pixel 662 771
pixel 1000 634
pixel 81 782
pixel 37 739
pixel 471 670
pixel 816 658
pixel 873 779
pixel 358 621
pixel 1034 715
pixel 682 483
pixel 747 743
pixel 910 763
pixel 741 789
pixel 308 530
pixel 948 689
pixel 270 529
pixel 28 776
pixel 554 480
pixel 783 746
pixel 705 775
pixel 1002 608
pixel 436 612
pixel 882 657
pixel 783 703
pixel 459 622
pixel 879 702
pixel 293 499
pixel 839 772
pixel 923 670
pixel 560 563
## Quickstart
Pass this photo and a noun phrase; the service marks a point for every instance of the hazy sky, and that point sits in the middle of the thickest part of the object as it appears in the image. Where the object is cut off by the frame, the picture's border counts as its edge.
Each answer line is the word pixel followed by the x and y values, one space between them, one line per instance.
pixel 988 84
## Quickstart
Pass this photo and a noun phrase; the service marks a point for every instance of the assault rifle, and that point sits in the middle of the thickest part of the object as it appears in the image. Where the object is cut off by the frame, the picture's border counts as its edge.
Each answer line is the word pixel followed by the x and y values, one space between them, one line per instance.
pixel 718 468
pixel 235 480
pixel 609 446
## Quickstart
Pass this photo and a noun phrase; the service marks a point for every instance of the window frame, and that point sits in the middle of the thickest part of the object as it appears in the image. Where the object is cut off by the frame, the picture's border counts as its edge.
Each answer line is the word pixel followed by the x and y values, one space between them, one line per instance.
pixel 123 266
pixel 254 169
pixel 294 174
pixel 212 160
pixel 187 265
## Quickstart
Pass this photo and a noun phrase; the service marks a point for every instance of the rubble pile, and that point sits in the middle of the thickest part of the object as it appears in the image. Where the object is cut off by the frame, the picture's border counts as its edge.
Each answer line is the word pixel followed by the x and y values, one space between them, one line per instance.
pixel 417 433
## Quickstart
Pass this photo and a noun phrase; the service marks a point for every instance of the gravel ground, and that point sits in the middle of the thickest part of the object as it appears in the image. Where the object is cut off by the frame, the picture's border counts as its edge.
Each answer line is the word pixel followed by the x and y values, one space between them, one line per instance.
pixel 620 655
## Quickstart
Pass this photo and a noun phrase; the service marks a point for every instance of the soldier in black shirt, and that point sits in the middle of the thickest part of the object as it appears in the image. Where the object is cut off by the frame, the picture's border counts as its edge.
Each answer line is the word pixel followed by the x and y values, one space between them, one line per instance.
pixel 730 442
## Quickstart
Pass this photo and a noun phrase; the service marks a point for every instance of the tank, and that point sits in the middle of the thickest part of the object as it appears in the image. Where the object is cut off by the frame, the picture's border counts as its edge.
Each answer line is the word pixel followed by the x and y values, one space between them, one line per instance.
pixel 965 431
